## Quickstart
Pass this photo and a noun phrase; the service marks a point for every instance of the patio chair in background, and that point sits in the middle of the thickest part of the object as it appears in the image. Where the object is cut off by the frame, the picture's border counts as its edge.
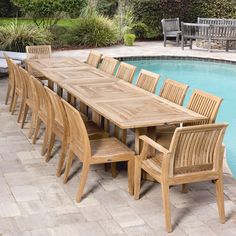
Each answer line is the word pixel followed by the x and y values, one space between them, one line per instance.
pixel 126 72
pixel 148 81
pixel 171 29
pixel 90 152
pixel 195 154
pixel 108 65
pixel 38 52
pixel 174 91
pixel 59 127
pixel 94 58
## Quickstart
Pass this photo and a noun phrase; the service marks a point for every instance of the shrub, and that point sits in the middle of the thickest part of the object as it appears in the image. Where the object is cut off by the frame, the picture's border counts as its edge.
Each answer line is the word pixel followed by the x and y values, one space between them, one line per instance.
pixel 140 30
pixel 14 37
pixel 129 39
pixel 95 31
pixel 107 7
pixel 46 13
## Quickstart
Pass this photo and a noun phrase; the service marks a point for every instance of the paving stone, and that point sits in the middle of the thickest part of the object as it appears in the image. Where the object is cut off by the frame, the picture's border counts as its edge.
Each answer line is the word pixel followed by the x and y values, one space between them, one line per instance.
pixel 25 193
pixel 142 230
pixel 9 209
pixel 111 227
pixel 95 213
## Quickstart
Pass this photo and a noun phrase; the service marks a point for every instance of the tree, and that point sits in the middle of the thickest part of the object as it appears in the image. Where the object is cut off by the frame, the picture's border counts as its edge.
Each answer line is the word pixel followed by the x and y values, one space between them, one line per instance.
pixel 46 13
pixel 7 8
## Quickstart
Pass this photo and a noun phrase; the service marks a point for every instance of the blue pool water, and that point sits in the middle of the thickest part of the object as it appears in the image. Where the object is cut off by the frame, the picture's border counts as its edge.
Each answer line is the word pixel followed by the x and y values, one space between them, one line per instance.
pixel 212 77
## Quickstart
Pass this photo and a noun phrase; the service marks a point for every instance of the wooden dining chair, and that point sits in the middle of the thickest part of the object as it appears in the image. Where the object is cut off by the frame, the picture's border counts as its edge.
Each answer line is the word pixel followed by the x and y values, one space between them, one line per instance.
pixel 108 65
pixel 59 127
pixel 148 81
pixel 200 102
pixel 30 101
pixel 38 52
pixel 90 152
pixel 196 154
pixel 174 91
pixel 11 82
pixel 19 92
pixel 94 58
pixel 126 72
pixel 43 114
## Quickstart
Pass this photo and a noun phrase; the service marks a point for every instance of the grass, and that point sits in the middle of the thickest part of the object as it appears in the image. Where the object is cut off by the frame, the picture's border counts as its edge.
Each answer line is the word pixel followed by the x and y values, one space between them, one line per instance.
pixel 63 22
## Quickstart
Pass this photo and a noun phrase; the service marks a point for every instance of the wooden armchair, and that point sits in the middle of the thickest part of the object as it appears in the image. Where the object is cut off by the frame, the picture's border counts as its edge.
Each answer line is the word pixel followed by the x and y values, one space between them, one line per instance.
pixel 38 52
pixel 11 82
pixel 59 127
pixel 171 29
pixel 107 150
pixel 94 58
pixel 126 72
pixel 148 81
pixel 195 154
pixel 174 91
pixel 108 65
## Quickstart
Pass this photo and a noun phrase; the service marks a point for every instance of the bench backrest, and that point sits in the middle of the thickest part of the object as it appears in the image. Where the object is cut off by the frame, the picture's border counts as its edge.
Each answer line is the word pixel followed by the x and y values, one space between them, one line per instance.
pixel 215 21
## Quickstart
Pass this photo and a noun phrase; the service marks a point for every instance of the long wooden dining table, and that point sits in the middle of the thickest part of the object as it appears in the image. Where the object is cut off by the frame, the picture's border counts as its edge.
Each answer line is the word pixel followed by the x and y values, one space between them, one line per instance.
pixel 123 104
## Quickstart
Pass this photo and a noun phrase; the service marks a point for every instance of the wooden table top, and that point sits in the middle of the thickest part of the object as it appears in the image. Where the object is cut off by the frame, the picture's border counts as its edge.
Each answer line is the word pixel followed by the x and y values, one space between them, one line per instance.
pixel 124 104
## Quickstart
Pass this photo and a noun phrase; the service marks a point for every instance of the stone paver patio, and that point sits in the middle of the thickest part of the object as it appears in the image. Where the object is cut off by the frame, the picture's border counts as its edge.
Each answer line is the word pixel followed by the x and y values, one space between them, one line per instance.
pixel 33 201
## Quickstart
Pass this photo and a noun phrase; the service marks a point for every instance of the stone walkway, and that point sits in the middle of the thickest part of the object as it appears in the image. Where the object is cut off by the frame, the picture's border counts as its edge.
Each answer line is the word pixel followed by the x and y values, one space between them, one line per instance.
pixel 33 201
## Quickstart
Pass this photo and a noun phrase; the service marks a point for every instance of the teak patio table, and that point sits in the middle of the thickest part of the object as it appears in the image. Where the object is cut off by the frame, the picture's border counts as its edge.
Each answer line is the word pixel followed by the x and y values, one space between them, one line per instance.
pixel 123 104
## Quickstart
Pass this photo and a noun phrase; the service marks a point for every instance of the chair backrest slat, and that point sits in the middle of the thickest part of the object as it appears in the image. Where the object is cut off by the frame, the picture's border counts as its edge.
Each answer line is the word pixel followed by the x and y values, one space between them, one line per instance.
pixel 78 139
pixel 126 72
pixel 174 91
pixel 196 149
pixel 148 81
pixel 108 65
pixel 38 52
pixel 94 58
pixel 204 104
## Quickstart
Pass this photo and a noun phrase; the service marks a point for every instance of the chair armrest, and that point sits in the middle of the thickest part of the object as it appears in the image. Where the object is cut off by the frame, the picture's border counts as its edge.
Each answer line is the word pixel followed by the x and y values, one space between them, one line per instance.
pixel 154 144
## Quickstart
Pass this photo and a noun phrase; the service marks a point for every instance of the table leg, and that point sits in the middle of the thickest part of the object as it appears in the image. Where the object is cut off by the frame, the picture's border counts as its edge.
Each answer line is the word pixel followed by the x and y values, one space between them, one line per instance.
pixel 138 132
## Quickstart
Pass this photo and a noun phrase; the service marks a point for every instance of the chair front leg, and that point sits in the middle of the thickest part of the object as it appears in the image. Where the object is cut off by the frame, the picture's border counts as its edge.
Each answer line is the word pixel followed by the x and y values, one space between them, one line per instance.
pixel 68 166
pixel 62 157
pixel 131 176
pixel 45 141
pixel 50 146
pixel 166 205
pixel 8 93
pixel 220 199
pixel 25 112
pixel 21 109
pixel 137 177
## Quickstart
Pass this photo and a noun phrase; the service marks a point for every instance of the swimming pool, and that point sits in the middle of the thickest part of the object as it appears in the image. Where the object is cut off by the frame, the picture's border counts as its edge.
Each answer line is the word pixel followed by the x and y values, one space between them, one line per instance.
pixel 213 77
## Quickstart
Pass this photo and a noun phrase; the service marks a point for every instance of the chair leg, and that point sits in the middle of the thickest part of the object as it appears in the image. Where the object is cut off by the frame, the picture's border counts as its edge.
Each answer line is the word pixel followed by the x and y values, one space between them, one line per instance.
pixel 21 110
pixel 12 99
pixel 8 93
pixel 14 104
pixel 36 131
pixel 131 176
pixel 68 166
pixel 32 125
pixel 50 146
pixel 45 141
pixel 166 206
pixel 83 179
pixel 220 199
pixel 25 112
pixel 62 157
pixel 182 43
pixel 164 41
pixel 137 178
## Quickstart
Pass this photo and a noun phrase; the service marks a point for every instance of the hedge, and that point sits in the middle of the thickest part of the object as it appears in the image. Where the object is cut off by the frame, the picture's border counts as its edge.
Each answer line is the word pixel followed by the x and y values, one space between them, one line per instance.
pixel 150 12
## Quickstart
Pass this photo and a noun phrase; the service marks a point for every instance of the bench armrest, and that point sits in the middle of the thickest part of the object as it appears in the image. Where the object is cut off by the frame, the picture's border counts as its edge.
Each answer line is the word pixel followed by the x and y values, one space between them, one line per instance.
pixel 154 144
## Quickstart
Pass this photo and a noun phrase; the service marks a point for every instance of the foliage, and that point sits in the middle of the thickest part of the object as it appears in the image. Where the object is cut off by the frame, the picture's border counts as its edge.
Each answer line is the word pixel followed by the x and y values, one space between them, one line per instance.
pixel 7 9
pixel 129 39
pixel 15 37
pixel 107 7
pixel 46 13
pixel 151 12
pixel 94 31
pixel 140 30
pixel 124 18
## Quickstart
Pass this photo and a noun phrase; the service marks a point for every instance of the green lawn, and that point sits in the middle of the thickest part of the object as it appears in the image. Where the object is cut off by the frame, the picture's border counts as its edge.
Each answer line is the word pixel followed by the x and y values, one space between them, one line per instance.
pixel 63 22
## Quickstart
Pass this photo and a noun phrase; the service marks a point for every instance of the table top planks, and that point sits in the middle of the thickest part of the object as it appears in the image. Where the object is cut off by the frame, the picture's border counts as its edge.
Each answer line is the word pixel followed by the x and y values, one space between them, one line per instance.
pixel 124 104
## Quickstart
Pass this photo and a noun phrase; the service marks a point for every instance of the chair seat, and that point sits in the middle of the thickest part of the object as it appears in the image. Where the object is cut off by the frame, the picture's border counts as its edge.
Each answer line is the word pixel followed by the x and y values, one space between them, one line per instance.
pixel 110 149
pixel 172 33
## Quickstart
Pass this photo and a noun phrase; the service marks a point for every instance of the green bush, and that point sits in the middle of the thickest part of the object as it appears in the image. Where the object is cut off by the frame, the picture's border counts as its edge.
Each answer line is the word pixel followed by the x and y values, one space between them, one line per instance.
pixel 95 31
pixel 140 30
pixel 129 39
pixel 14 37
pixel 107 7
